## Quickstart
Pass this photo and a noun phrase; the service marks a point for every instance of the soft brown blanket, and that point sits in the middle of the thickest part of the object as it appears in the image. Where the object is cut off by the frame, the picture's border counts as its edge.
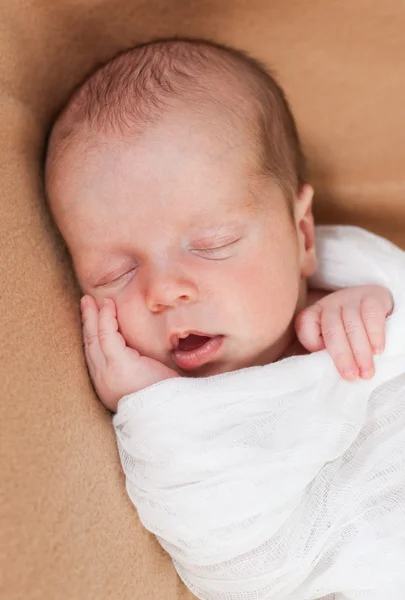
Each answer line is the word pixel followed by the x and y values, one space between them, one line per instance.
pixel 67 533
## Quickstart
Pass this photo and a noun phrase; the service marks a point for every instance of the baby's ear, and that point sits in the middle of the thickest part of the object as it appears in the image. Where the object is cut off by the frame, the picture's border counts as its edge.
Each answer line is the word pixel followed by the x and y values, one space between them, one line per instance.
pixel 304 220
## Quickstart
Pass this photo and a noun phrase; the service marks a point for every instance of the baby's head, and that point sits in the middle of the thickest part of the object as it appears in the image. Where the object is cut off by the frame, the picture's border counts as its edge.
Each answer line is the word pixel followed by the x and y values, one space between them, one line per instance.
pixel 176 178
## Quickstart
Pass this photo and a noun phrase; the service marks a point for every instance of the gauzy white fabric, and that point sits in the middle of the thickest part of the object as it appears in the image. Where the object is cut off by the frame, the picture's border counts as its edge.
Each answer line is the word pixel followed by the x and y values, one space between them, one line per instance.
pixel 284 481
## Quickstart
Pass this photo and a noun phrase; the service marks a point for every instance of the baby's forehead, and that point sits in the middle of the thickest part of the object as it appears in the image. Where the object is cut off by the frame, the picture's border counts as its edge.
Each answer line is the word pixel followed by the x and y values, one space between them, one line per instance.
pixel 196 138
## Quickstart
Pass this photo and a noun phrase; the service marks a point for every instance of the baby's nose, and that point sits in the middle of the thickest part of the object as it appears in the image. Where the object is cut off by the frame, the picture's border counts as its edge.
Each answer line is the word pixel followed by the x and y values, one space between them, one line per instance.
pixel 169 292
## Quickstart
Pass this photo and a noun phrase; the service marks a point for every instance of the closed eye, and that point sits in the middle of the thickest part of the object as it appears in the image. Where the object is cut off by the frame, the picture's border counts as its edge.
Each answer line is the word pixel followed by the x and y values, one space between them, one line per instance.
pixel 215 252
pixel 106 282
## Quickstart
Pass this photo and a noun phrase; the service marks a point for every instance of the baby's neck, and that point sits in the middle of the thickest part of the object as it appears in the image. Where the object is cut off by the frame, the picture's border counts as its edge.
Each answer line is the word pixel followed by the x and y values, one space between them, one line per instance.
pixel 315 295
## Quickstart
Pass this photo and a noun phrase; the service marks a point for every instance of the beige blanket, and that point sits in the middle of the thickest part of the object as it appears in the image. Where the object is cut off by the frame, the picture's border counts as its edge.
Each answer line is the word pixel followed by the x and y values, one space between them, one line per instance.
pixel 67 532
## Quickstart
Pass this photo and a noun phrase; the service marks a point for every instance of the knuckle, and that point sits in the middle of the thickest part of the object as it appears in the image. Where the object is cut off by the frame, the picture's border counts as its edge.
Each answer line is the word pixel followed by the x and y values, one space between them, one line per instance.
pixel 90 339
pixel 330 333
pixel 370 309
pixel 350 327
pixel 103 334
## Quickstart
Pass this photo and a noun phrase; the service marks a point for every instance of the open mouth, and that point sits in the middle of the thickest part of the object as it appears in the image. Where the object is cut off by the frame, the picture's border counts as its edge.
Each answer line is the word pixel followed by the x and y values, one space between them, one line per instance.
pixel 192 342
pixel 195 350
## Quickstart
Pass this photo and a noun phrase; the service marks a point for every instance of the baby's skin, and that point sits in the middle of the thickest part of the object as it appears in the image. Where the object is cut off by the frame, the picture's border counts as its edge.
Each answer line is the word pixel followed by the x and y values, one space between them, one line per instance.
pixel 349 323
pixel 191 263
pixel 183 200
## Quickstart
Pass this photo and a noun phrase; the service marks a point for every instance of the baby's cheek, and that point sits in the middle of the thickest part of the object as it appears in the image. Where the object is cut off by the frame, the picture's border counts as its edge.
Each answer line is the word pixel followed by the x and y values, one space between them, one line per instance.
pixel 130 322
pixel 277 303
pixel 139 329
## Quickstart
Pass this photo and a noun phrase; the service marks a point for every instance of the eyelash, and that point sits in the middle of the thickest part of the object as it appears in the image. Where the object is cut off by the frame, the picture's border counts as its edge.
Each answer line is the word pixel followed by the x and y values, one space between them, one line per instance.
pixel 209 251
pixel 117 279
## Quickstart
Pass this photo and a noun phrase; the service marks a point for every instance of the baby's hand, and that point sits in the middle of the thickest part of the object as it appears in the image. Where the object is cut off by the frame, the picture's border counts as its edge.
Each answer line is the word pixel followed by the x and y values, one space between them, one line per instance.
pixel 350 324
pixel 115 369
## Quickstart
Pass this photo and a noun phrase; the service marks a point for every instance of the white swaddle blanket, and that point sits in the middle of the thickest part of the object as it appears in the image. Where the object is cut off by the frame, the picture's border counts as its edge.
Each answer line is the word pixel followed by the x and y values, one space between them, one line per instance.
pixel 282 482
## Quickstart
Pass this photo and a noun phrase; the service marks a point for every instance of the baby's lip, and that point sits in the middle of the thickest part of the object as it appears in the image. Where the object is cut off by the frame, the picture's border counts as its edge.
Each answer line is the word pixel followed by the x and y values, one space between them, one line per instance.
pixel 196 355
pixel 180 335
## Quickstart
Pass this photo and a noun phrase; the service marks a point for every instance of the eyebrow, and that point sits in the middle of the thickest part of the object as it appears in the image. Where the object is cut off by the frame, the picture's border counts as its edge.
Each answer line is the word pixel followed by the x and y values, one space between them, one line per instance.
pixel 216 227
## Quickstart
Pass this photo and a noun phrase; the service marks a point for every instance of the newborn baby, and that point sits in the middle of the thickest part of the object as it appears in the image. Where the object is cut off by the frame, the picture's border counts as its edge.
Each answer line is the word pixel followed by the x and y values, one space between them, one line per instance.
pixel 176 178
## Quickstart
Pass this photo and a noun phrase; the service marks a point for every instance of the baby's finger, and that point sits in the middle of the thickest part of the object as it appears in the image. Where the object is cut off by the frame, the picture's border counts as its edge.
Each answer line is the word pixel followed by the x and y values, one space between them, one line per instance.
pixel 308 328
pixel 358 340
pixel 90 331
pixel 111 341
pixel 373 317
pixel 337 344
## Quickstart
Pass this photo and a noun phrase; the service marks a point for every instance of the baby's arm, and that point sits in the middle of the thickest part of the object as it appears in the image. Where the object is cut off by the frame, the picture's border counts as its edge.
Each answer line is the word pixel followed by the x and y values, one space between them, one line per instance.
pixel 350 324
pixel 115 369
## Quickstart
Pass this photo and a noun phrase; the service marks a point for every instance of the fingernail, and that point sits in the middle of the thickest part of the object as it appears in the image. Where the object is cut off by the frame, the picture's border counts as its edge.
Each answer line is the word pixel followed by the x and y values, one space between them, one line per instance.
pixel 350 373
pixel 367 373
pixel 83 302
pixel 378 350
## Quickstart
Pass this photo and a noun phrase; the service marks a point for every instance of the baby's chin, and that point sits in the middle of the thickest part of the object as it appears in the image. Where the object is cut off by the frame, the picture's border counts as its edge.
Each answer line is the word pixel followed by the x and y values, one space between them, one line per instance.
pixel 209 370
pixel 220 367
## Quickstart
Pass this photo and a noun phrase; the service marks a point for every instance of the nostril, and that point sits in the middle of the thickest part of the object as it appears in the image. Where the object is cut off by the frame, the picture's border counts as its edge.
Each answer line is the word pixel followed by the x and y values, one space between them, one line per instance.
pixel 156 307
